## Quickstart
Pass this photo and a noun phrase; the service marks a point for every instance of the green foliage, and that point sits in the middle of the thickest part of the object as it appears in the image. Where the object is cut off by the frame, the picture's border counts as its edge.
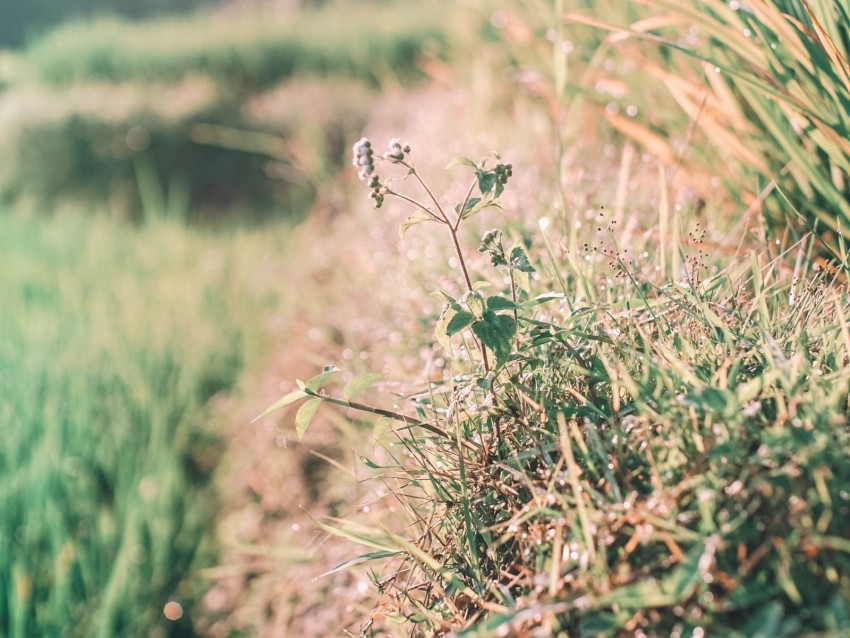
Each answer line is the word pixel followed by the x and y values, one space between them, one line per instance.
pixel 656 457
pixel 248 50
pixel 201 115
pixel 23 20
pixel 112 342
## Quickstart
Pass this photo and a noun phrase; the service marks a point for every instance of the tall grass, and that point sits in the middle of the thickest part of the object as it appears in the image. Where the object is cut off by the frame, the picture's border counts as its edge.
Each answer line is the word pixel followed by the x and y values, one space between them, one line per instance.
pixel 766 83
pixel 113 340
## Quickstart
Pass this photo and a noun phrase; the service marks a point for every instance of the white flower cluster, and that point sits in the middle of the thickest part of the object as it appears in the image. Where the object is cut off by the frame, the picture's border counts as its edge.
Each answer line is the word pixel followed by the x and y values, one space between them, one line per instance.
pixel 363 159
pixel 396 150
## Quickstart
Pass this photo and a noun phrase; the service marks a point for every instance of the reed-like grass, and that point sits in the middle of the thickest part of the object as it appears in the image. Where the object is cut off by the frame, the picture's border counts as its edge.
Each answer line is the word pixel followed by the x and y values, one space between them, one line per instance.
pixel 765 83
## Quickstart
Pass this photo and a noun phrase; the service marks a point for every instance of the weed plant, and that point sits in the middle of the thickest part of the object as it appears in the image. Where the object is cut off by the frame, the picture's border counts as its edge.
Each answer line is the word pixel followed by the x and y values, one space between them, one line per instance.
pixel 113 340
pixel 651 446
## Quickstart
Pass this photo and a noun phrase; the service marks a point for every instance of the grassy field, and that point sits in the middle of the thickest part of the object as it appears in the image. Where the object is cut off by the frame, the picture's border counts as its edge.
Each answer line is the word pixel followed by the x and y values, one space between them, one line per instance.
pixel 640 428
pixel 113 339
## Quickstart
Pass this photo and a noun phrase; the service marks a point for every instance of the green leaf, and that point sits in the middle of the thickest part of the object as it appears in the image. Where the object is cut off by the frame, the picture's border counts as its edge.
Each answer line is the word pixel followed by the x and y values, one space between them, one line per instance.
pixel 313 385
pixel 360 383
pixel 676 587
pixel 541 299
pixel 460 321
pixel 416 218
pixel 470 203
pixel 441 332
pixel 360 559
pixel 305 416
pixel 519 260
pixel 461 161
pixel 496 332
pixel 479 206
pixel 381 426
pixel 442 294
pixel 500 303
pixel 475 302
pixel 486 181
pixel 289 399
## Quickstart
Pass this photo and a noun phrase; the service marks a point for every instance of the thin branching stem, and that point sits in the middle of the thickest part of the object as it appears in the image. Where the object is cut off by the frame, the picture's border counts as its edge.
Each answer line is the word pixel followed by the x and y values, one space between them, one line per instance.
pixel 396 416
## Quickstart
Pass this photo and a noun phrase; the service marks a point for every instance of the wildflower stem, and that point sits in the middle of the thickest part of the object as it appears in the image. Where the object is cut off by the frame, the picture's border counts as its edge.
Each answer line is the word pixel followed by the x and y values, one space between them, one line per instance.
pixel 431 195
pixel 465 202
pixel 419 205
pixel 396 416
pixel 462 262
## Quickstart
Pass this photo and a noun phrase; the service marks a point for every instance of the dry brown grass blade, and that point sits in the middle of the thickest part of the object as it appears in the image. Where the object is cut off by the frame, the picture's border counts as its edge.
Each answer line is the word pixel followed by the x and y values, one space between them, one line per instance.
pixel 650 24
pixel 713 120
pixel 652 142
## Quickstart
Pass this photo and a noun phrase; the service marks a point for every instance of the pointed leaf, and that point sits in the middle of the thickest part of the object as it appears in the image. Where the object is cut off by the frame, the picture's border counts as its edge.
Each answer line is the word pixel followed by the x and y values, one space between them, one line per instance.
pixel 313 385
pixel 416 218
pixel 481 205
pixel 541 299
pixel 459 322
pixel 441 329
pixel 500 303
pixel 519 260
pixel 471 203
pixel 289 399
pixel 461 161
pixel 360 559
pixel 360 383
pixel 305 416
pixel 442 294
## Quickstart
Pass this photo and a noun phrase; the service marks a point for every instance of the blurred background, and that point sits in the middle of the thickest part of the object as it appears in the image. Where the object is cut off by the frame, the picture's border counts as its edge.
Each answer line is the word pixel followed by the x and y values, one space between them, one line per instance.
pixel 156 160
pixel 181 237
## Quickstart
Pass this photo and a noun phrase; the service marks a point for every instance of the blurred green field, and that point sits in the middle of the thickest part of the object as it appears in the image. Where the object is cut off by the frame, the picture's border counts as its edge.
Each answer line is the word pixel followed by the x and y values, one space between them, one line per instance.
pixel 113 339
pixel 240 109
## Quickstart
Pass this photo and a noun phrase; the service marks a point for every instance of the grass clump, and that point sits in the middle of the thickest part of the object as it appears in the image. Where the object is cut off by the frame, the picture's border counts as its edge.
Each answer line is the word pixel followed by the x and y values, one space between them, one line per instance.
pixel 766 84
pixel 621 446
pixel 113 340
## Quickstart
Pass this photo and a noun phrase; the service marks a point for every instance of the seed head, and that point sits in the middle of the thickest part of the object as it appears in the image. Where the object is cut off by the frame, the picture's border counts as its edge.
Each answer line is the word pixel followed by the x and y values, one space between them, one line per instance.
pixel 362 158
pixel 396 150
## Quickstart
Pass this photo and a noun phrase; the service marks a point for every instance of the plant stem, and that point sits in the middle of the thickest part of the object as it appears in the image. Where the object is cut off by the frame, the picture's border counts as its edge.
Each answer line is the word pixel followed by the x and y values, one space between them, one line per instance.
pixel 465 202
pixel 514 298
pixel 462 261
pixel 419 205
pixel 396 416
